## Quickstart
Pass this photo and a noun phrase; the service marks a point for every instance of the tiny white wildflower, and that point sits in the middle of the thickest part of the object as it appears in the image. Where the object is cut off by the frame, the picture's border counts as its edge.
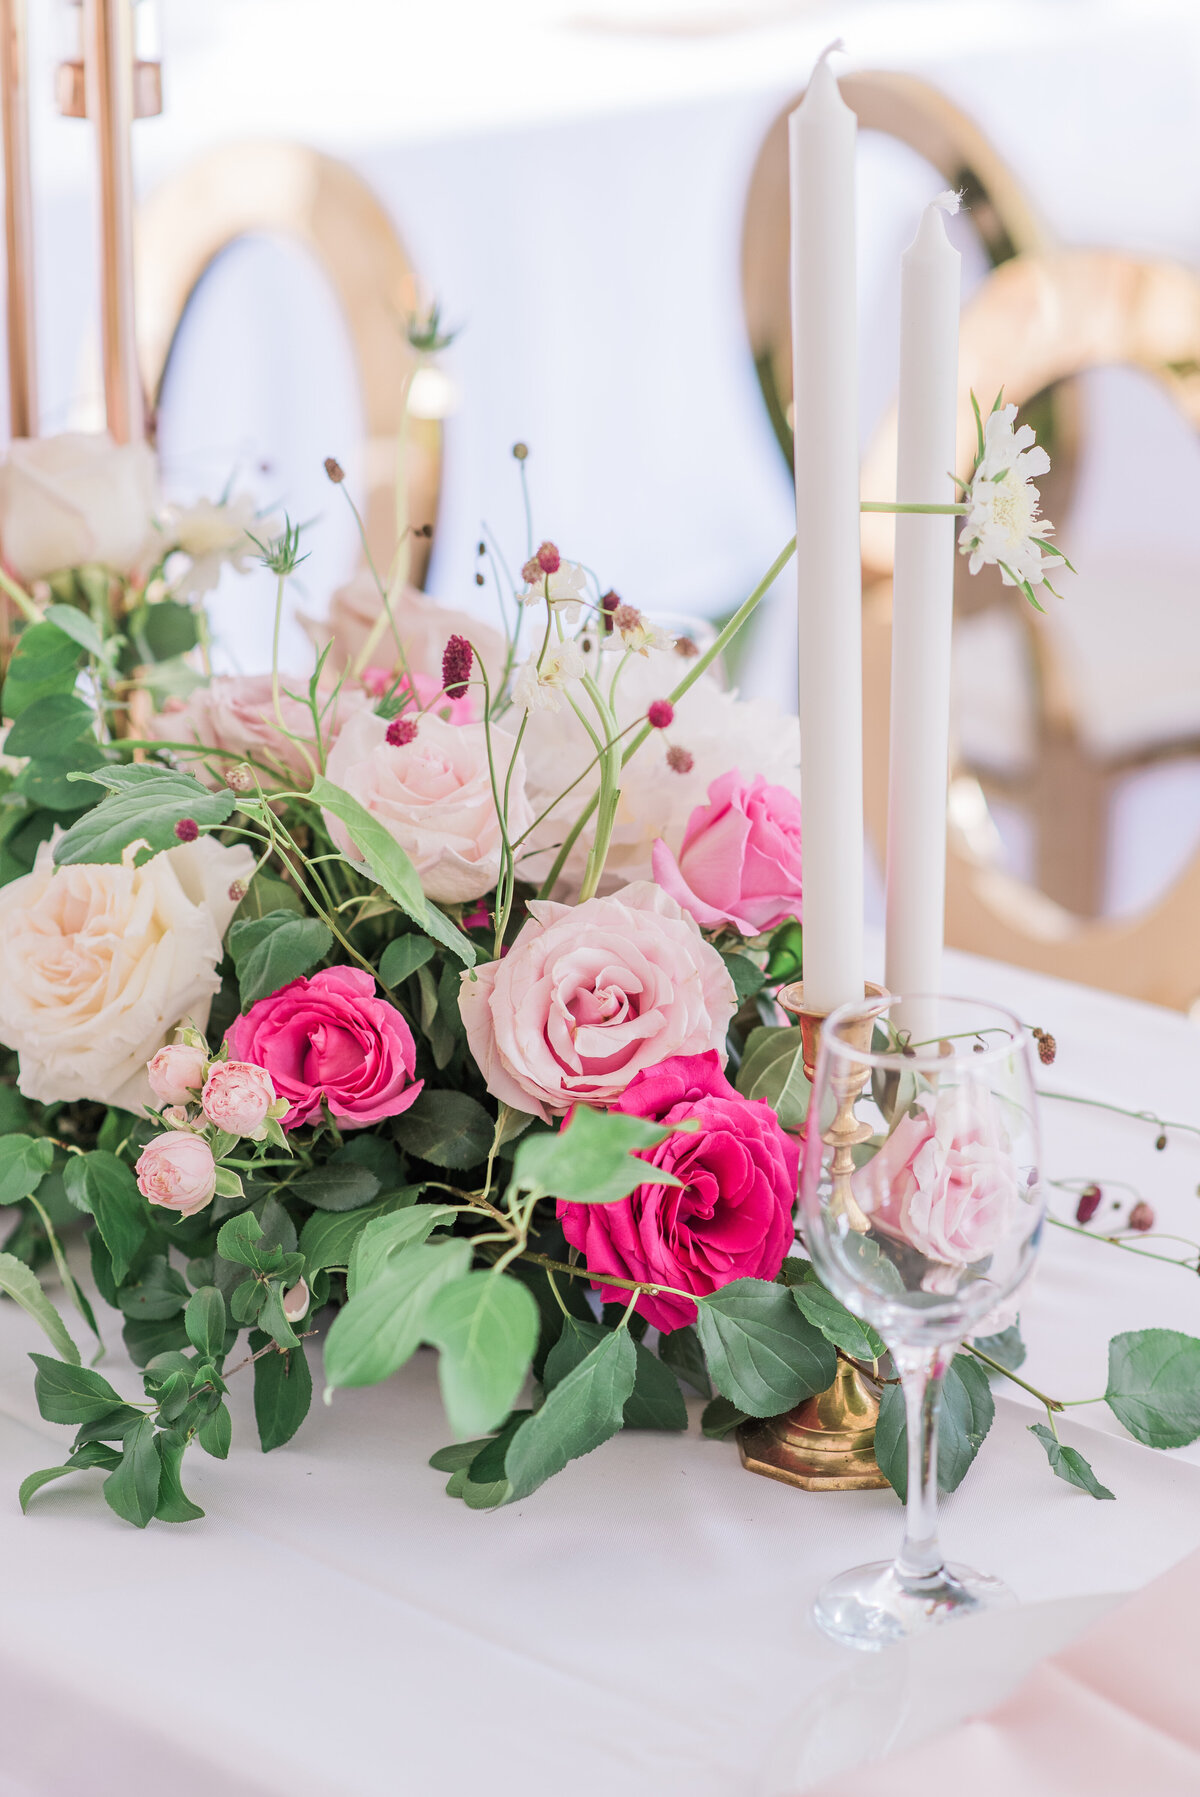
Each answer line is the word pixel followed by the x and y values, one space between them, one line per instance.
pixel 566 588
pixel 212 536
pixel 1003 527
pixel 539 687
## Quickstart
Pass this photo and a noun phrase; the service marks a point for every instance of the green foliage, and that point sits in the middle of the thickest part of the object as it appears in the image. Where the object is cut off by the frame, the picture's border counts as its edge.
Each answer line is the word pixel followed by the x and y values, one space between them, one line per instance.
pixel 656 1401
pixel 720 1418
pixel 79 627
pixel 44 664
pixel 383 1323
pixel 165 630
pixel 264 895
pixel 204 1320
pixel 172 1504
pixel 337 1187
pixel 591 1160
pixel 49 780
pixel 584 1410
pixel 785 953
pixel 282 1395
pixel 828 1314
pixel 762 1355
pixel 132 1489
pixel 746 975
pixel 71 1394
pixel 269 952
pixel 1007 1348
pixel 773 1068
pixel 1154 1386
pixel 403 956
pixel 680 1350
pixel 105 1187
pixel 24 1163
pixel 1068 1463
pixel 144 802
pixel 966 1416
pixel 328 1238
pixel 485 1326
pixel 20 1283
pixel 157 1292
pixel 447 1129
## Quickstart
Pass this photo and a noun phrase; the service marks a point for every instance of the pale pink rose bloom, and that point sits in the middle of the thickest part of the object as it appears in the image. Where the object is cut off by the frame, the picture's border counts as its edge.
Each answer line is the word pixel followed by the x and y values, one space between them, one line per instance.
pixel 176 1072
pixel 237 712
pixel 589 995
pixel 296 1301
pixel 177 1171
pixel 237 1096
pixel 423 624
pixel 464 710
pixel 942 1182
pixel 739 862
pixel 434 795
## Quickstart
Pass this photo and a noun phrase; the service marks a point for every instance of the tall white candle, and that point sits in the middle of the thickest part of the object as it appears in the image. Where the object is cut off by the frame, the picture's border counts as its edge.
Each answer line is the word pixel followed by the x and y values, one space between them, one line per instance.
pixel 822 134
pixel 922 611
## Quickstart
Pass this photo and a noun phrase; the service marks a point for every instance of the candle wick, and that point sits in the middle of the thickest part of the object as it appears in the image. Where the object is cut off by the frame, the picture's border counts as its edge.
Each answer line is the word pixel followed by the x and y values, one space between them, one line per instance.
pixel 838 44
pixel 951 200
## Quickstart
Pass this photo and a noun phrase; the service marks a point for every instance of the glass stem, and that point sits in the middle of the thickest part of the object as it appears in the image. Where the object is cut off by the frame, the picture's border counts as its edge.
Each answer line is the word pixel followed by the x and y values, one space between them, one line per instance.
pixel 921 1371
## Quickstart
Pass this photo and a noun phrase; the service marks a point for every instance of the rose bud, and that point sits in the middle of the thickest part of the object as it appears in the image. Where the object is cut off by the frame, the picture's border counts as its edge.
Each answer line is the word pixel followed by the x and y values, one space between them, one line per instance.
pixel 176 1073
pixel 296 1301
pixel 1141 1217
pixel 237 1096
pixel 177 1171
pixel 1089 1204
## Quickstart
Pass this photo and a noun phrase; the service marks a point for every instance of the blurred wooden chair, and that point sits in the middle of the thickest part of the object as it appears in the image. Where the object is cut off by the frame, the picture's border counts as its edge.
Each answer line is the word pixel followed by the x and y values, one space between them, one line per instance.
pixel 1043 316
pixel 288 190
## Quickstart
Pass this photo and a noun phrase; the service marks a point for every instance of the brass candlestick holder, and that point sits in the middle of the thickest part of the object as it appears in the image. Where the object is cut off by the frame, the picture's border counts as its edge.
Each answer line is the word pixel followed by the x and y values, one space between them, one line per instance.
pixel 827 1443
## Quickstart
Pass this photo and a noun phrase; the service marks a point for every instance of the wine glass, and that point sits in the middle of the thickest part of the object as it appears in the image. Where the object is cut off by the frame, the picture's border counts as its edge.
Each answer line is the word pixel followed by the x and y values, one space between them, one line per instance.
pixel 922 1212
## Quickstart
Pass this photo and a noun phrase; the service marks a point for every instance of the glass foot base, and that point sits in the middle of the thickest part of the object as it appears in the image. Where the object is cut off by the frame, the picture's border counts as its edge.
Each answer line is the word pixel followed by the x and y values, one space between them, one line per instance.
pixel 871 1606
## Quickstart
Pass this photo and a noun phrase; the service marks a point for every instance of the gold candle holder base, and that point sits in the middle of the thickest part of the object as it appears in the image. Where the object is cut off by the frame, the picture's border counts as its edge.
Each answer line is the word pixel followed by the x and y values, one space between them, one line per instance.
pixel 827 1443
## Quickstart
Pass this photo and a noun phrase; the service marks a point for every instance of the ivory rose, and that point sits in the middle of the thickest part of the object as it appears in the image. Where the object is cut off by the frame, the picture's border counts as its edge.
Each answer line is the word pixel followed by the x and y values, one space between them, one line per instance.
pixel 434 795
pixel 943 1182
pixel 177 1171
pixel 329 1040
pixel 590 995
pixel 99 964
pixel 237 1096
pixel 739 862
pixel 236 712
pixel 75 499
pixel 731 1218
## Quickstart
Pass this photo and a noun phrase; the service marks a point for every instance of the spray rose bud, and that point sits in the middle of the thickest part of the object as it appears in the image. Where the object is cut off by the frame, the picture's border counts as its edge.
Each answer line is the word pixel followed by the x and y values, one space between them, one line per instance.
pixel 1141 1217
pixel 296 1301
pixel 1089 1204
pixel 176 1073
pixel 661 714
pixel 548 559
pixel 456 666
pixel 237 1097
pixel 400 732
pixel 177 1171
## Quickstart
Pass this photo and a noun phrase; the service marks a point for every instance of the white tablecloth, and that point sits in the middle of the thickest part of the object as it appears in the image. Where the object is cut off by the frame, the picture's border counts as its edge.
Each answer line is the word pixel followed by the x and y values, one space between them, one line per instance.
pixel 337 1625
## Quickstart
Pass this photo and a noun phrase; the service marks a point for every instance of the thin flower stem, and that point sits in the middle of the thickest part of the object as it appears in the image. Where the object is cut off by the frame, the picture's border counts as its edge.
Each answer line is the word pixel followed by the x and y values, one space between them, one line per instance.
pixel 1127 1247
pixel 20 598
pixel 998 1367
pixel 568 790
pixel 892 505
pixel 1163 1124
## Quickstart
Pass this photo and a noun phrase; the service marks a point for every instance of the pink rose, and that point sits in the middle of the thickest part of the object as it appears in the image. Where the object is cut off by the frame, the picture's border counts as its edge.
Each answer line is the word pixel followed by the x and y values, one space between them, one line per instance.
pixel 176 1073
pixel 942 1182
pixel 237 712
pixel 589 995
pixel 177 1171
pixel 237 1096
pixel 329 1038
pixel 434 795
pixel 424 625
pixel 740 858
pixel 730 1219
pixel 463 710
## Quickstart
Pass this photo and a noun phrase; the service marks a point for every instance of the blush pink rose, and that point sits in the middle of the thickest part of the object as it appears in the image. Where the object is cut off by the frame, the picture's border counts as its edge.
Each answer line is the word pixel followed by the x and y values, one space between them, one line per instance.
pixel 237 712
pixel 589 995
pixel 739 862
pixel 730 1219
pixel 177 1171
pixel 176 1073
pixel 942 1182
pixel 463 710
pixel 237 1096
pixel 330 1039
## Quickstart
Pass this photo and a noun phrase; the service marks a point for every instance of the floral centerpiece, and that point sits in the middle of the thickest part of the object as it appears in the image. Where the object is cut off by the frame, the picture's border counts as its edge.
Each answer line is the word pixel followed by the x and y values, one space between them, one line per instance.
pixel 425 1000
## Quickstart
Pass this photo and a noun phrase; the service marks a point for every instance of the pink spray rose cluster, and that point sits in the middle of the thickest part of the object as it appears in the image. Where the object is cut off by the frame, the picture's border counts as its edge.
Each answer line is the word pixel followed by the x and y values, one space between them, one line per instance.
pixel 203 1098
pixel 731 1218
pixel 739 862
pixel 329 1040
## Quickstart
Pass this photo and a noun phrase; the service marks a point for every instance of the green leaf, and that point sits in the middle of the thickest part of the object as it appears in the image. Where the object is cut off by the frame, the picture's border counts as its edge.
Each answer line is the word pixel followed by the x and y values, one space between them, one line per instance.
pixel 381 1325
pixel 103 1185
pixel 836 1323
pixel 216 1432
pixel 656 1401
pixel 337 1186
pixel 590 1161
pixel 721 1418
pixel 389 867
pixel 21 1284
pixel 746 976
pixel 457 1457
pixel 145 1340
pixel 403 956
pixel 485 1485
pixel 145 802
pixel 24 1163
pixel 264 895
pixel 764 1046
pixel 272 951
pixel 762 1355
pixel 774 1070
pixel 204 1320
pixel 273 1319
pixel 167 629
pixel 577 1337
pixel 173 1505
pixel 785 953
pixel 328 1238
pixel 132 1491
pixel 1007 1348
pixel 158 1292
pixel 447 1129
pixel 584 1410
pixel 486 1328
pixel 45 662
pixel 35 1481
pixel 680 1350
pixel 966 1416
pixel 71 1394
pixel 50 780
pixel 282 1395
pixel 1068 1463
pixel 241 1240
pixel 78 626
pixel 1154 1386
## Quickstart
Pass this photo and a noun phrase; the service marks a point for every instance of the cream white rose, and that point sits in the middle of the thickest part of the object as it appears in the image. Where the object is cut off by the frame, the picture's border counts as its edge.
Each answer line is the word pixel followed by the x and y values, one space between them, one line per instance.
pixel 99 964
pixel 74 499
pixel 434 795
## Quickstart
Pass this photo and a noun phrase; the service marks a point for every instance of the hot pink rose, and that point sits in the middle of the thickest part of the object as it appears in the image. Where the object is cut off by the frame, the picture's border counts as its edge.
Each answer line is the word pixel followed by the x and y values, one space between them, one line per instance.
pixel 730 1219
pixel 237 1096
pixel 329 1038
pixel 740 858
pixel 942 1182
pixel 176 1073
pixel 589 995
pixel 237 712
pixel 177 1171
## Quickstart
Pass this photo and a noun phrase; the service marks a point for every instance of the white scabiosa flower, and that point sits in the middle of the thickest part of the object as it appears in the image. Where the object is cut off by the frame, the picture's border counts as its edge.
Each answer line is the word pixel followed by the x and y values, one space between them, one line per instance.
pixel 538 685
pixel 212 537
pixel 1003 527
pixel 549 579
